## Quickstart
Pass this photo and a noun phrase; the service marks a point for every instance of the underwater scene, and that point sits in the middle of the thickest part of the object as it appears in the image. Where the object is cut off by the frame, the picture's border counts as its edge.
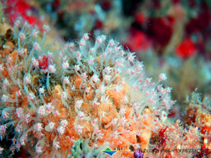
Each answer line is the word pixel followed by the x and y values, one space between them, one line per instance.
pixel 105 78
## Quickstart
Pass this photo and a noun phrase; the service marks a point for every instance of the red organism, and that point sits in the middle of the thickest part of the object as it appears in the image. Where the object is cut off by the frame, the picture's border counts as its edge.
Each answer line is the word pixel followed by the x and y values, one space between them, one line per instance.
pixel 106 5
pixel 160 30
pixel 98 24
pixel 43 62
pixel 137 41
pixel 186 49
pixel 140 18
pixel 20 8
pixel 198 24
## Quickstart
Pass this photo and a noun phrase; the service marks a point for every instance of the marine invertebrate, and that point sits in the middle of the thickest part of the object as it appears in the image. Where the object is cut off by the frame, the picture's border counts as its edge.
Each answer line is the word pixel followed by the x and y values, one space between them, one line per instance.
pixel 90 89
pixel 16 8
pixel 186 49
pixel 198 113
pixel 175 141
pixel 187 137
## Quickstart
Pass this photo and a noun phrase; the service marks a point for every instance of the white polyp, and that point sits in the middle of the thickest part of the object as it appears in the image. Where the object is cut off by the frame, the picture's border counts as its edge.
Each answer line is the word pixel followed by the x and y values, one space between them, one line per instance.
pixel 41 90
pixel 95 78
pixel 27 79
pixel 49 108
pixel 162 77
pixel 61 130
pixel 81 115
pixel 64 95
pixel 66 80
pixel 46 28
pixel 22 36
pixel 84 76
pixel 6 82
pixel 50 127
pixel 86 36
pixel 63 123
pixel 65 65
pixel 42 110
pixel 78 103
pixel 77 67
pixel 52 68
pixel 38 127
pixel 31 96
pixel 19 112
pixel 79 128
pixel 36 46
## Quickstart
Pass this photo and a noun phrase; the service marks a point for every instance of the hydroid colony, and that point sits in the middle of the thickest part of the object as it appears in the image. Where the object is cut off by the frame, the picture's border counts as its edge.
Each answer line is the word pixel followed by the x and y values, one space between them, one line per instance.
pixel 88 89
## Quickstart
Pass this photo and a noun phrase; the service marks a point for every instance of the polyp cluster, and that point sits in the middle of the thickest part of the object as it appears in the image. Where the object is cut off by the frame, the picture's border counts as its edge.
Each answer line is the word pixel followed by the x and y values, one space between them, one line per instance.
pixel 90 89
